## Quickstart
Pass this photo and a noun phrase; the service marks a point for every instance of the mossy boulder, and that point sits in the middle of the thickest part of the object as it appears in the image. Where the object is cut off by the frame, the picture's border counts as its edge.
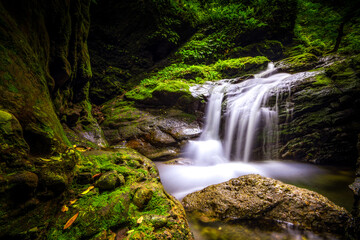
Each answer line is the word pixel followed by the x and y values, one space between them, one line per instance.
pixel 13 146
pixel 142 196
pixel 109 181
pixel 302 62
pixel 239 66
pixel 139 208
pixel 256 197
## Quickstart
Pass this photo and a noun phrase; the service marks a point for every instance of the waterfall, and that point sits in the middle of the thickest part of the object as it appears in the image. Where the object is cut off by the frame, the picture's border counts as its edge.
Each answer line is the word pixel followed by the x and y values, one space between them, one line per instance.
pixel 244 112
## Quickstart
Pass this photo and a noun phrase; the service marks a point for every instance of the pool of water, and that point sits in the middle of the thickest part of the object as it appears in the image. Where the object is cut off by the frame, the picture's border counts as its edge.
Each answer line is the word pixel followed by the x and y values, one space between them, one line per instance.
pixel 332 182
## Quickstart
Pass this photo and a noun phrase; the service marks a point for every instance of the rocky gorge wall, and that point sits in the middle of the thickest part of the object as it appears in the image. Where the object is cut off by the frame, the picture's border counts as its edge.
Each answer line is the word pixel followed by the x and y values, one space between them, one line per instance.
pixel 45 68
pixel 321 120
pixel 44 109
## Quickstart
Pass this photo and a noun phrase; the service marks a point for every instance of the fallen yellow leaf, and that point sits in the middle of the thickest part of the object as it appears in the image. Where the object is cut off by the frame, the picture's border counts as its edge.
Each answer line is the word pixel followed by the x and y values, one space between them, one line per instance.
pixel 71 221
pixel 73 201
pixel 80 149
pixel 87 190
pixel 140 220
pixel 64 208
pixel 45 159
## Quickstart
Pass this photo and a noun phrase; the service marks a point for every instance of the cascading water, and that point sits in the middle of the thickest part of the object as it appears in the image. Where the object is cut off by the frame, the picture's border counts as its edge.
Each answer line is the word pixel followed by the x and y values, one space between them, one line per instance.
pixel 237 116
pixel 247 113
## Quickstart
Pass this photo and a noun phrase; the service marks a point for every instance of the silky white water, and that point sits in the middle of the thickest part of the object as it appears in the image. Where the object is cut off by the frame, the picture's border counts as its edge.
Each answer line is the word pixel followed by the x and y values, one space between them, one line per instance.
pixel 243 111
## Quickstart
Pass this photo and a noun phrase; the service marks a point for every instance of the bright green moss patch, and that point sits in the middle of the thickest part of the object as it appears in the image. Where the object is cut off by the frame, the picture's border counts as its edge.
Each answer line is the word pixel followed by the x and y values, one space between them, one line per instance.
pixel 322 80
pixel 107 212
pixel 238 66
pixel 177 78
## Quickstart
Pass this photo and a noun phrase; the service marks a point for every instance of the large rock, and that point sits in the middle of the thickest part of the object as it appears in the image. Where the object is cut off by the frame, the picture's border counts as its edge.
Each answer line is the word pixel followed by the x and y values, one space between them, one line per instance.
pixel 138 208
pixel 319 121
pixel 256 197
pixel 110 180
pixel 12 143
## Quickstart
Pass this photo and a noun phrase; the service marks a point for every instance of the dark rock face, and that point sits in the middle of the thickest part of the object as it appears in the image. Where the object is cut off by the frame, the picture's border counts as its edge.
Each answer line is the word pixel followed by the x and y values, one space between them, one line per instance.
pixel 45 66
pixel 256 197
pixel 321 120
pixel 44 72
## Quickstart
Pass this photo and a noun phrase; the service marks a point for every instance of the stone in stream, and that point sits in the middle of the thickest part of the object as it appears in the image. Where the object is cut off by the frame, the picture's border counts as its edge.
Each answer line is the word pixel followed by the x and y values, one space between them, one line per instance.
pixel 255 197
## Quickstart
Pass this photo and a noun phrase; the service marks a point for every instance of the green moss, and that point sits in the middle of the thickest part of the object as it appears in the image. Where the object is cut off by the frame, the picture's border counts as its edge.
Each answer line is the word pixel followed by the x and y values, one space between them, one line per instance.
pixel 177 78
pixel 322 80
pixel 158 205
pixel 239 66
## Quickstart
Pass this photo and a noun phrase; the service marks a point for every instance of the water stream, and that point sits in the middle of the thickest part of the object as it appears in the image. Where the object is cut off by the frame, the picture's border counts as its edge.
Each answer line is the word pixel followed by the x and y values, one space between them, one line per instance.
pixel 241 128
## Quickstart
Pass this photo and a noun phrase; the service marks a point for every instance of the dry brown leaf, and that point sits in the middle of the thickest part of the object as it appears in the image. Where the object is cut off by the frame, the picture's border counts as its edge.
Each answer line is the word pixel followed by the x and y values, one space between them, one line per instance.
pixel 73 201
pixel 97 175
pixel 140 220
pixel 71 221
pixel 64 208
pixel 87 190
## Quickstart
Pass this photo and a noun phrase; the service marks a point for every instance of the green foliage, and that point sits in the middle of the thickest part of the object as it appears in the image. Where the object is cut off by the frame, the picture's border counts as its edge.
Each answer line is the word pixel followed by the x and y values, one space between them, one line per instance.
pixel 316 28
pixel 205 49
pixel 351 40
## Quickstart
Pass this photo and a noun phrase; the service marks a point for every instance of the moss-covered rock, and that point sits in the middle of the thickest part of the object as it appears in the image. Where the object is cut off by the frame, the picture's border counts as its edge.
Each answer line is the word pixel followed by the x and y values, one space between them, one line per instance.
pixel 256 197
pixel 110 180
pixel 13 146
pixel 239 66
pixel 139 207
pixel 170 86
pixel 302 62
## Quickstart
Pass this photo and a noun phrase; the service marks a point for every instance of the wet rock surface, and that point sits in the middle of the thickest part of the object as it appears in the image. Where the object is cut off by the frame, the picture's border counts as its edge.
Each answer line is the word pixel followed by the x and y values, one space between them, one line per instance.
pixel 256 197
pixel 156 133
pixel 319 121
